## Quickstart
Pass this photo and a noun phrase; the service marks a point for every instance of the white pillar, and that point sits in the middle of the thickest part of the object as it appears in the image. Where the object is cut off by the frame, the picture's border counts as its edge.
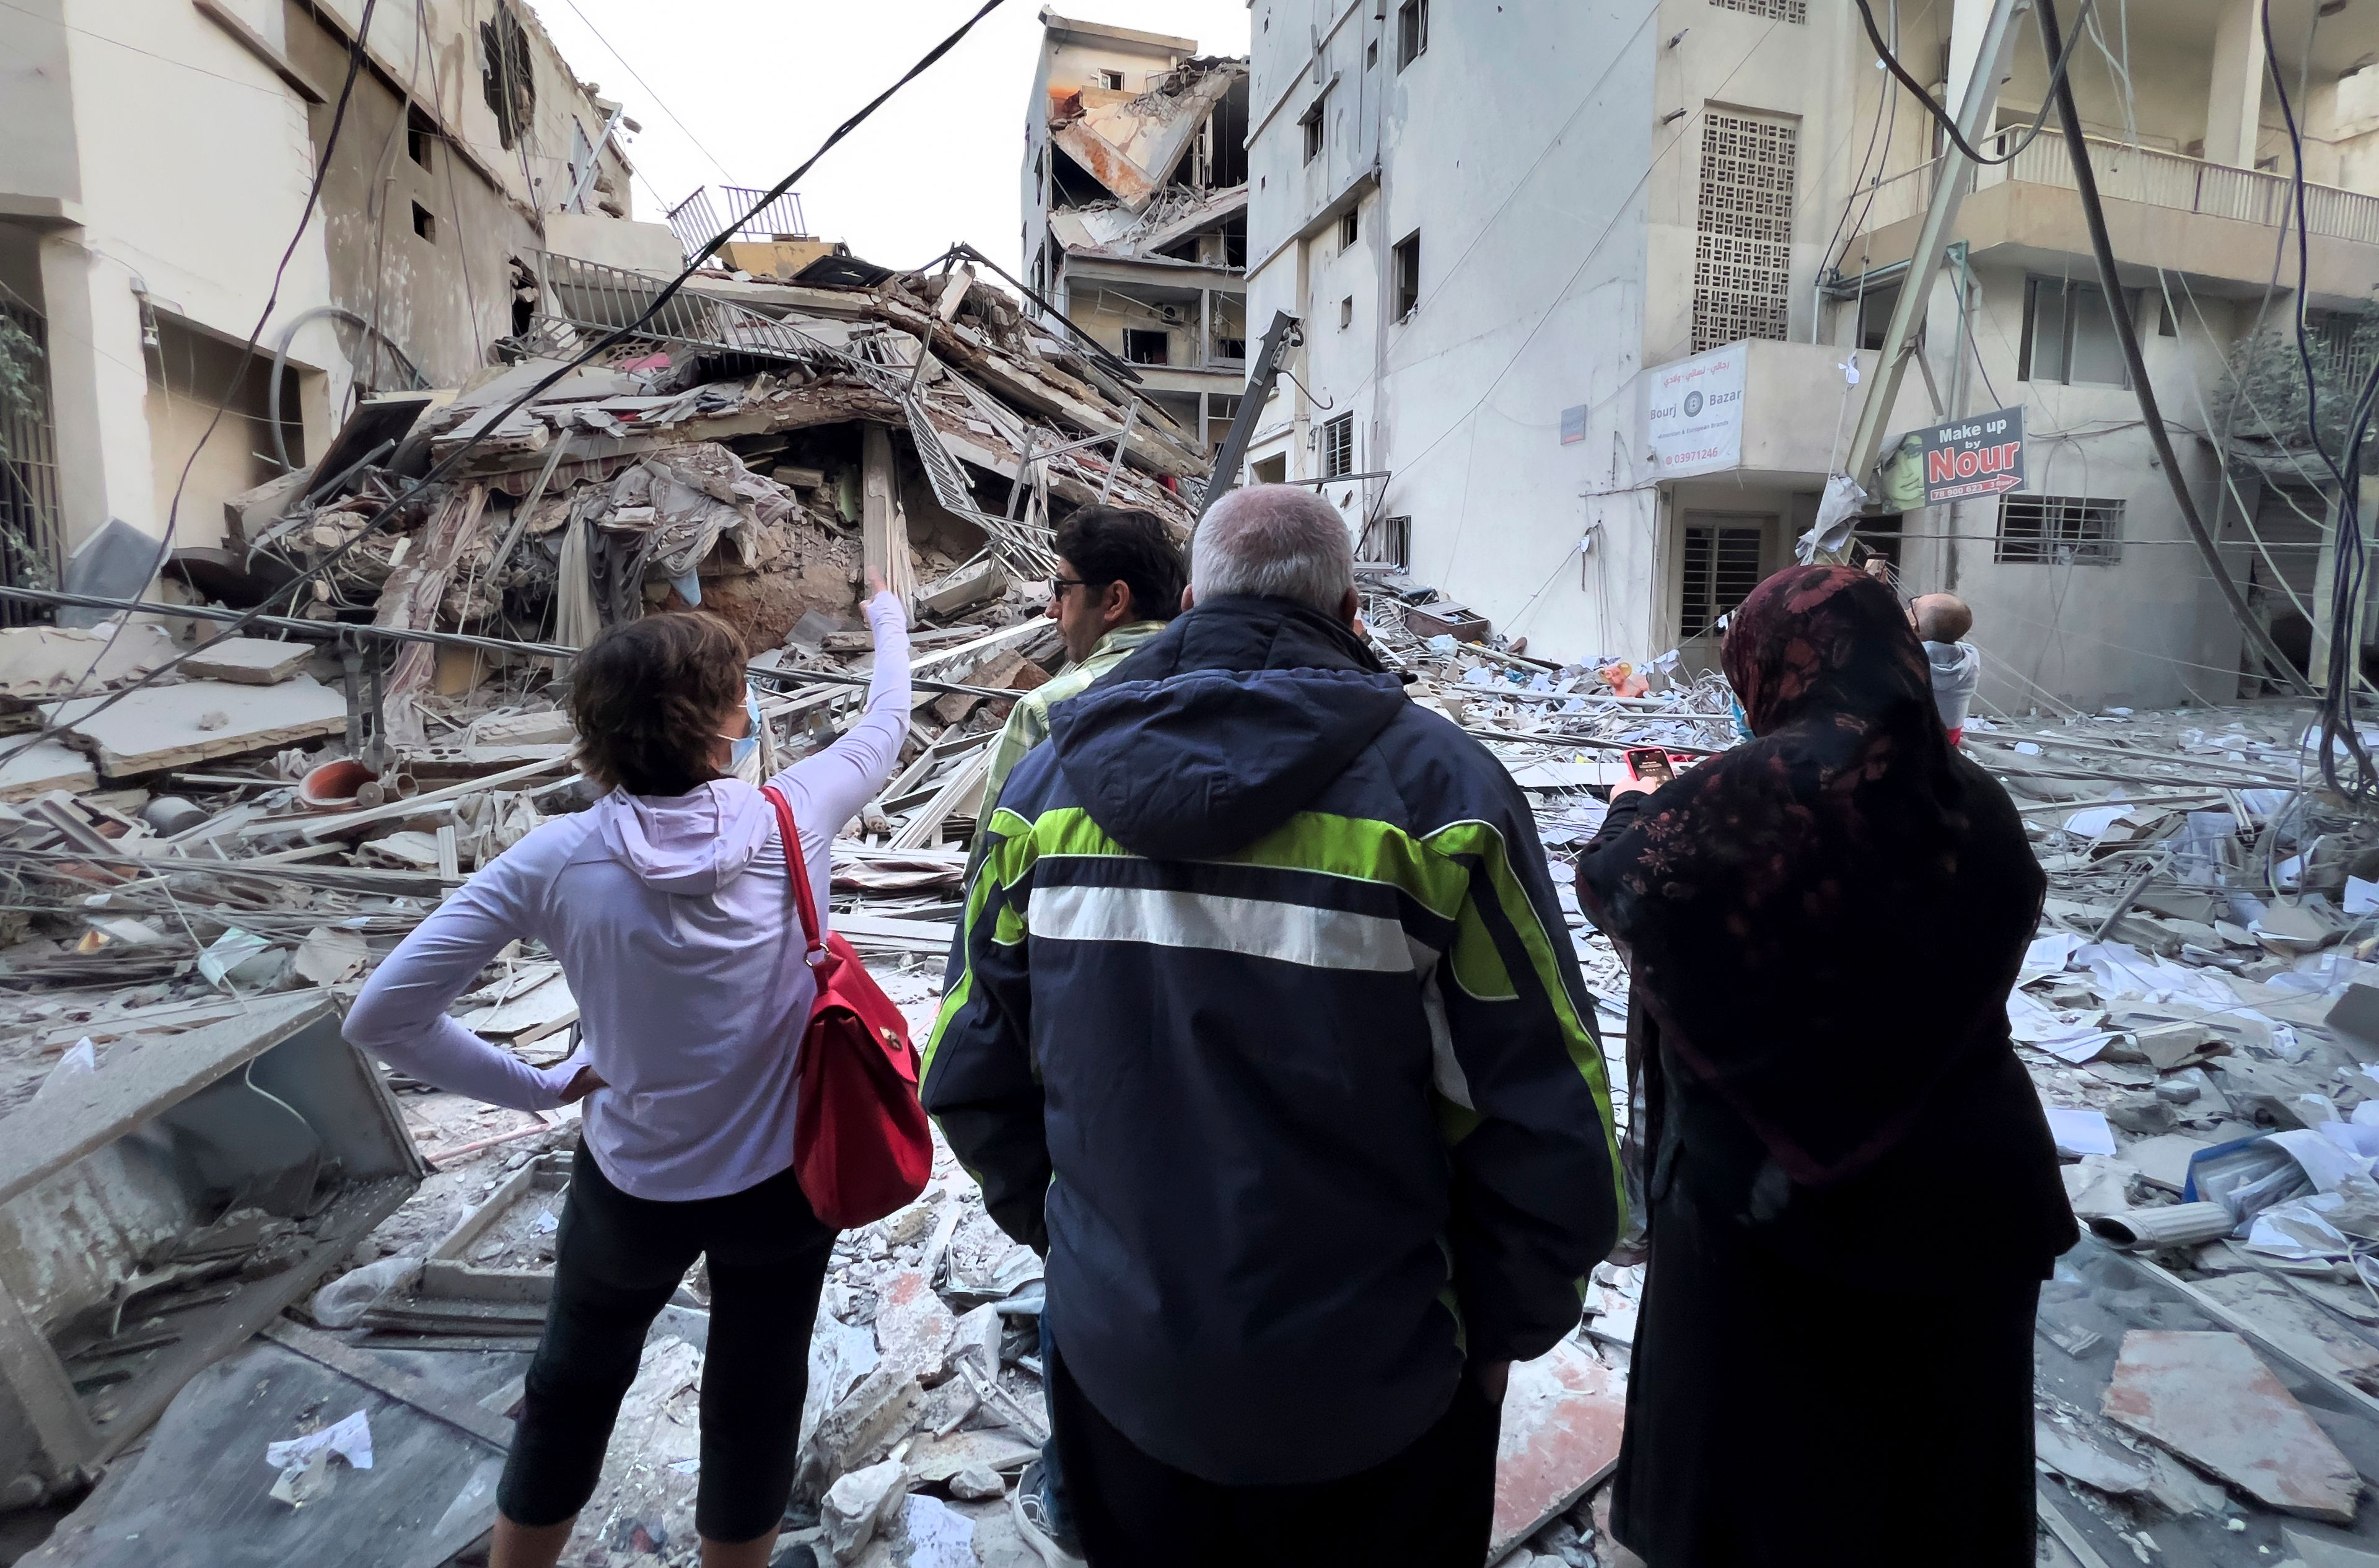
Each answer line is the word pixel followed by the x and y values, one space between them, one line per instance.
pixel 2234 103
pixel 98 390
pixel 1967 18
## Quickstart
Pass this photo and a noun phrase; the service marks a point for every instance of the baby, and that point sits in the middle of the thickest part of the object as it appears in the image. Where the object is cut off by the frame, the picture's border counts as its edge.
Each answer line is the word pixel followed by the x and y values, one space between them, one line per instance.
pixel 1941 620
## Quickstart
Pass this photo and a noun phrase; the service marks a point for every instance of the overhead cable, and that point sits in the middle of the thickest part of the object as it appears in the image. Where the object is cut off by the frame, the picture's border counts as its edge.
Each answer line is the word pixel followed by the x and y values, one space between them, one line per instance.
pixel 2058 58
pixel 2085 181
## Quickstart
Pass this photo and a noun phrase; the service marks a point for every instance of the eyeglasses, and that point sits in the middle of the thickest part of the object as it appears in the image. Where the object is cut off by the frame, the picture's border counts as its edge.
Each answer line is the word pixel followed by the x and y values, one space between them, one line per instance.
pixel 1057 585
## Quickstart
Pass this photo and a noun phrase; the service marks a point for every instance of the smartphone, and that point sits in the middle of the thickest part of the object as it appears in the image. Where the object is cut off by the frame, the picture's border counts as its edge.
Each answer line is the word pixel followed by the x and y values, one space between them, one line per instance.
pixel 1651 763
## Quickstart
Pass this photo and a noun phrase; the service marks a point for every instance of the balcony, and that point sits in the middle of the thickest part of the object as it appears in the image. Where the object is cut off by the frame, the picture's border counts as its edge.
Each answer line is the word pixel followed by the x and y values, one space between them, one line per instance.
pixel 2208 220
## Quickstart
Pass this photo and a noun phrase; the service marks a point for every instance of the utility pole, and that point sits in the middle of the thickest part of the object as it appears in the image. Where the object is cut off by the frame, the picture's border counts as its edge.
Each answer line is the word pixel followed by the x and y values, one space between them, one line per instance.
pixel 1278 339
pixel 1933 239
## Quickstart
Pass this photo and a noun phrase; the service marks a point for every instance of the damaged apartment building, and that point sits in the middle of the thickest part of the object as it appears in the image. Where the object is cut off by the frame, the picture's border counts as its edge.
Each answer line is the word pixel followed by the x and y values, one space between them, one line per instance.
pixel 1135 208
pixel 1590 302
pixel 137 255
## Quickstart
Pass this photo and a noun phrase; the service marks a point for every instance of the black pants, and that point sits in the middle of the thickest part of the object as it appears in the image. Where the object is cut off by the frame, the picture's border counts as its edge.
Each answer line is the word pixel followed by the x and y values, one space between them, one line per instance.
pixel 617 1261
pixel 1429 1507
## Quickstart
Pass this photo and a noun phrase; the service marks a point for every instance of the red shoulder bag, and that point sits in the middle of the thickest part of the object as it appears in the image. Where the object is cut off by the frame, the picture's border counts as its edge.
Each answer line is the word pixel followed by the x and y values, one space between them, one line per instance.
pixel 861 1147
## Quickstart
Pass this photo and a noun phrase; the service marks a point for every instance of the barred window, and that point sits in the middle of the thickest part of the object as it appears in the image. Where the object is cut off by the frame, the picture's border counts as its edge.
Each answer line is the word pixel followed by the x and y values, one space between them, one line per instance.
pixel 2059 530
pixel 1338 446
pixel 1780 10
pixel 1742 254
pixel 1389 540
pixel 1721 567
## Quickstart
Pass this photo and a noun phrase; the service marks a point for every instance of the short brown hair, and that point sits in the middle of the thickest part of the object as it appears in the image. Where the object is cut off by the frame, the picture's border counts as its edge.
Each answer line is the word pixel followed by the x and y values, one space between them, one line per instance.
pixel 647 695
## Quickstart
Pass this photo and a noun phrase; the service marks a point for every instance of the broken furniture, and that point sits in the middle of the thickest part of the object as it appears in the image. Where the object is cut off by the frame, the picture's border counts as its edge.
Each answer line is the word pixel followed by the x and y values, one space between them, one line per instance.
pixel 157 1210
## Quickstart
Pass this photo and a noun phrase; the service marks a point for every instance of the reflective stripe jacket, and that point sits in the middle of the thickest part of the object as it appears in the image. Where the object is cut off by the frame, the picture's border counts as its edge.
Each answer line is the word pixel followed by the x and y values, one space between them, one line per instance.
pixel 1264 1023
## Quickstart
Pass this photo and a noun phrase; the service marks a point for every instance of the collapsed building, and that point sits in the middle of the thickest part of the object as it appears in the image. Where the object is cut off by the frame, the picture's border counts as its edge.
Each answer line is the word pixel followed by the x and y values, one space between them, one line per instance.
pixel 1135 209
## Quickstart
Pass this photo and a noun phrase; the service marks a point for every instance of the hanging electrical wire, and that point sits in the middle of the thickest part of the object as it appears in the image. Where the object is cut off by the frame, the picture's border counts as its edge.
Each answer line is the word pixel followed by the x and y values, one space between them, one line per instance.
pixel 2058 59
pixel 2339 734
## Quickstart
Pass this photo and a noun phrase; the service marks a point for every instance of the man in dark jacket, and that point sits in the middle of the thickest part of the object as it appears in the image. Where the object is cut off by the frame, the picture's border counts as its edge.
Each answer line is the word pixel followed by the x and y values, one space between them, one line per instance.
pixel 1264 1025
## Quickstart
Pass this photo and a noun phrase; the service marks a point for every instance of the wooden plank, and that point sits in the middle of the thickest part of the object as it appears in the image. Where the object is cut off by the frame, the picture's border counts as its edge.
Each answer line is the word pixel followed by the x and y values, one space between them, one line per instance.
pixel 884 527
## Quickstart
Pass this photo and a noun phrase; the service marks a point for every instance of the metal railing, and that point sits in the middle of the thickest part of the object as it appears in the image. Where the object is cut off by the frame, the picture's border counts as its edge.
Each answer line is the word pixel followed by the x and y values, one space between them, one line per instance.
pixel 2151 177
pixel 31 554
pixel 697 219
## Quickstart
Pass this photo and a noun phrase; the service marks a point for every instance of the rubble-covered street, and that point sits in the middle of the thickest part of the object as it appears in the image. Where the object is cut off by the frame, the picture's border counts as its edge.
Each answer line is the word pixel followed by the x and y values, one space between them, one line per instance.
pixel 1580 332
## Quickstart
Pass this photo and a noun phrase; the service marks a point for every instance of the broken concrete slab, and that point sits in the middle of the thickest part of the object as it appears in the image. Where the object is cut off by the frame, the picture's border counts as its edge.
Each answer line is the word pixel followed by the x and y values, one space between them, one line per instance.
pixel 1562 1413
pixel 2121 1472
pixel 48 662
pixel 859 1504
pixel 2318 1552
pixel 2299 1326
pixel 162 727
pixel 248 661
pixel 912 1327
pixel 2210 1400
pixel 934 1460
pixel 34 770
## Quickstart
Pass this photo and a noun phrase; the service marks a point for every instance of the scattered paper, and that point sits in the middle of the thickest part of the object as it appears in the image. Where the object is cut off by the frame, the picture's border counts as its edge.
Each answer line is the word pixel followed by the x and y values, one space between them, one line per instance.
pixel 939 1535
pixel 350 1439
pixel 2079 1131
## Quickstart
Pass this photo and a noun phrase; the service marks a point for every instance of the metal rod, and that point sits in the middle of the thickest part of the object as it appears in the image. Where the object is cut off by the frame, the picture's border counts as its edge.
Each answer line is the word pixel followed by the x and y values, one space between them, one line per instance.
pixel 329 631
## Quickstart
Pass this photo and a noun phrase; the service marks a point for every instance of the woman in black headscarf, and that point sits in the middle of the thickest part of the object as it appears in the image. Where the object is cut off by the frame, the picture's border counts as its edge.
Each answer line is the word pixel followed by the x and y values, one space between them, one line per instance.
pixel 1853 1192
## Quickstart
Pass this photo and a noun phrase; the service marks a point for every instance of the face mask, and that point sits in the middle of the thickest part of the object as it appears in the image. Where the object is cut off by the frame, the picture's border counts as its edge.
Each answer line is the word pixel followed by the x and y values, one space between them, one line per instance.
pixel 1741 720
pixel 740 751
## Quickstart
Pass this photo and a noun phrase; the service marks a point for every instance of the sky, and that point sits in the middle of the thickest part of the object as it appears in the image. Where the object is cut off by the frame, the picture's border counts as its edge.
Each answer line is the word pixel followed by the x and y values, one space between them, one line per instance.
pixel 739 91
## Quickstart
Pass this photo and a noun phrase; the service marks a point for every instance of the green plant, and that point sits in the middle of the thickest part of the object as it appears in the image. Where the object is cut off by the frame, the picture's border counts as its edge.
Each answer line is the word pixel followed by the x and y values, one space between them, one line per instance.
pixel 20 380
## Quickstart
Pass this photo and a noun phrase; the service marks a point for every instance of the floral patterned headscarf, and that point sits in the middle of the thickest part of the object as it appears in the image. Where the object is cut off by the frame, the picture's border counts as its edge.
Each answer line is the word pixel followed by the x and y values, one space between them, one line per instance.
pixel 1825 920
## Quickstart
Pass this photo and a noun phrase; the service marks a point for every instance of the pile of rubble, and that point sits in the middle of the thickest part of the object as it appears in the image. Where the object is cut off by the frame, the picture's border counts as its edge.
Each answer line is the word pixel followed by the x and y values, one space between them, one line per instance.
pixel 202 874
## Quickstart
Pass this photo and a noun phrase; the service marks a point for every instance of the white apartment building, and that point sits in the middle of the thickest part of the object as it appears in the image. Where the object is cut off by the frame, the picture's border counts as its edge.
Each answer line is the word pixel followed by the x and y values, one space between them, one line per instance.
pixel 154 162
pixel 1135 185
pixel 1504 228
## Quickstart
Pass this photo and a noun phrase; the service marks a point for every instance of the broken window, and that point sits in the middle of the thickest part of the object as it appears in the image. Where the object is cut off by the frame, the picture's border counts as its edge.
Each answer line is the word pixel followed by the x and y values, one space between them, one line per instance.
pixel 1408 274
pixel 507 79
pixel 1775 10
pixel 1743 252
pixel 424 225
pixel 1147 345
pixel 1312 123
pixel 1272 470
pixel 2070 337
pixel 1338 446
pixel 1874 308
pixel 1347 230
pixel 1388 540
pixel 1721 567
pixel 1111 80
pixel 1412 31
pixel 420 131
pixel 2059 530
pixel 1221 409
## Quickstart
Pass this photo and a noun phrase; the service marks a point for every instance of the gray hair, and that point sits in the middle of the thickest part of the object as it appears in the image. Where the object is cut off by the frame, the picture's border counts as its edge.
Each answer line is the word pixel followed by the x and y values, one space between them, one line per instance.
pixel 1281 540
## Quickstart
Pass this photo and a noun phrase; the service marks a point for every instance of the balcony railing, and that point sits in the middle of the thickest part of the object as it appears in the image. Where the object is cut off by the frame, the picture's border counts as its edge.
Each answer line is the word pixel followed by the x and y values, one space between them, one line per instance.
pixel 2146 176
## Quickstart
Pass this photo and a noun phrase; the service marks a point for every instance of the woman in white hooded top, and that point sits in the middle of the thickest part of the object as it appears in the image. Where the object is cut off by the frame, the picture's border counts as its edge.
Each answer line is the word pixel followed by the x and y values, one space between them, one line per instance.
pixel 669 906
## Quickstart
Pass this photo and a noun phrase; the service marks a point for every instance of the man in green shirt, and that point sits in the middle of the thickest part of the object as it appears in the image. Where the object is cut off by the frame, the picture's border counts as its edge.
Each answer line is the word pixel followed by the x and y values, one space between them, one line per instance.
pixel 1119 580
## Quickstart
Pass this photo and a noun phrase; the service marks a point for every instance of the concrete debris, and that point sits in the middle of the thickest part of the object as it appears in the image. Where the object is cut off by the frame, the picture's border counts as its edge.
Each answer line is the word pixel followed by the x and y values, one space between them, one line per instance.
pixel 2206 1397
